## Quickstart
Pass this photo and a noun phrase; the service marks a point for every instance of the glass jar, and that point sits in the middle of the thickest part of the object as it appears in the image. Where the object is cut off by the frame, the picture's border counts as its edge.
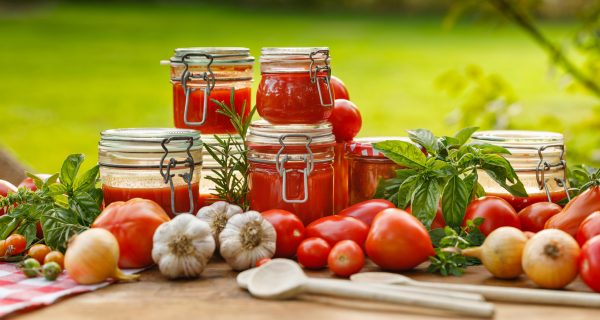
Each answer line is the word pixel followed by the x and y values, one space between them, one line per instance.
pixel 367 166
pixel 200 75
pixel 207 189
pixel 538 159
pixel 158 164
pixel 341 199
pixel 295 85
pixel 291 168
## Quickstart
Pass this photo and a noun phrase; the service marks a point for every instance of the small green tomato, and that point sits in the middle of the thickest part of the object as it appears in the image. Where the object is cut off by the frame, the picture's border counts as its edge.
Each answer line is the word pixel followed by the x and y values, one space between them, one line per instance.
pixel 31 268
pixel 51 270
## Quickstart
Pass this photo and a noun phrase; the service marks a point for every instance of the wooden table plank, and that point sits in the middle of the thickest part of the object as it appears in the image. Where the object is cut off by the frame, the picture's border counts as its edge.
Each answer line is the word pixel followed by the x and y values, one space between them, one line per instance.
pixel 216 296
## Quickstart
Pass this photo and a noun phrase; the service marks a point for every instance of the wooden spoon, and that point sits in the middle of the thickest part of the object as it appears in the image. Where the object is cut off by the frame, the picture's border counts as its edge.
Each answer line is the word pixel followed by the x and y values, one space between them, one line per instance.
pixel 522 295
pixel 244 277
pixel 284 279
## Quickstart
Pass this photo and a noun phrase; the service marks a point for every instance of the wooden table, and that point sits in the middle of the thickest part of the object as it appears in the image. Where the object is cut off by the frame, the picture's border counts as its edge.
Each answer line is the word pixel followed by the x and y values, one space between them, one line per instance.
pixel 216 296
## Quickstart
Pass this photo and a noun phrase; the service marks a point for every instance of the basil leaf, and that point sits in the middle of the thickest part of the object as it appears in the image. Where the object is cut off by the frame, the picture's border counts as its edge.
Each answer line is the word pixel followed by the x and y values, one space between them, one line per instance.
pixel 57 189
pixel 436 235
pixel 29 231
pixel 465 134
pixel 425 138
pixel 39 183
pixel 517 189
pixel 425 200
pixel 405 191
pixel 51 180
pixel 87 180
pixel 69 169
pixel 86 207
pixel 403 153
pixel 440 168
pixel 455 199
pixel 490 149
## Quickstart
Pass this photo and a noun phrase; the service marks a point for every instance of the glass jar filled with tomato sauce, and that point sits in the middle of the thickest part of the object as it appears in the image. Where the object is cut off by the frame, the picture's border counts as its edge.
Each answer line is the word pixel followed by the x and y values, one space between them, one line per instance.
pixel 201 75
pixel 539 160
pixel 295 85
pixel 291 168
pixel 210 165
pixel 158 164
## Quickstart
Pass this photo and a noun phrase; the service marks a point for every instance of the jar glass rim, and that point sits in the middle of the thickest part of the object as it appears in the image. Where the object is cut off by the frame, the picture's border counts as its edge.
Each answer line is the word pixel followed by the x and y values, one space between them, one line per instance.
pixel 263 132
pixel 519 137
pixel 286 51
pixel 148 139
pixel 221 55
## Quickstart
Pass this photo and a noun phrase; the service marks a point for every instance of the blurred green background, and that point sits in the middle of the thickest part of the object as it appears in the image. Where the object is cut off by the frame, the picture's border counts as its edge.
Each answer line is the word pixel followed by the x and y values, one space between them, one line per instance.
pixel 70 70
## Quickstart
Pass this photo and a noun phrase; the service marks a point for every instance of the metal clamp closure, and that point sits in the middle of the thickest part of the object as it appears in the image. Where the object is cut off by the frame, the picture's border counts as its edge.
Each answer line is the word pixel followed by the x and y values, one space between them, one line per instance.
pixel 173 163
pixel 314 76
pixel 280 162
pixel 544 165
pixel 208 76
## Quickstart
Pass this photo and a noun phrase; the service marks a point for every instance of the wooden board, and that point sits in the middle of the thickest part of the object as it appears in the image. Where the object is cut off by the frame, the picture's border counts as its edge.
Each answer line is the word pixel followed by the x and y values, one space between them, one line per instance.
pixel 216 296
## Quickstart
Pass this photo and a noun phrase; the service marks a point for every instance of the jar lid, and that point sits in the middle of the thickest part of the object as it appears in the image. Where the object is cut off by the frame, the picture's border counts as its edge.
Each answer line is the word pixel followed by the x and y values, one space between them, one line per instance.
pixel 294 53
pixel 263 132
pixel 220 55
pixel 149 140
pixel 364 146
pixel 508 138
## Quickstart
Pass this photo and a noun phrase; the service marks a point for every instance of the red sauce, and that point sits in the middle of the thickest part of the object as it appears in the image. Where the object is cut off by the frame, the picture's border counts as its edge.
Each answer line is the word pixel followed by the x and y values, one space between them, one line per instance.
pixel 162 196
pixel 521 203
pixel 364 175
pixel 286 98
pixel 215 123
pixel 341 199
pixel 266 190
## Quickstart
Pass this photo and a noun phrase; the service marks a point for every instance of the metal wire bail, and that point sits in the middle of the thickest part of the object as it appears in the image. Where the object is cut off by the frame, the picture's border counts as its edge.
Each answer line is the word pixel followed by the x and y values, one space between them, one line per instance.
pixel 314 76
pixel 544 165
pixel 280 162
pixel 208 76
pixel 173 163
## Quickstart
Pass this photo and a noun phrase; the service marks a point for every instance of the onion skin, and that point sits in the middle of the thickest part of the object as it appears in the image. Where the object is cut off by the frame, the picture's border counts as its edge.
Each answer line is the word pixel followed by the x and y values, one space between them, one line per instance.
pixel 501 252
pixel 550 259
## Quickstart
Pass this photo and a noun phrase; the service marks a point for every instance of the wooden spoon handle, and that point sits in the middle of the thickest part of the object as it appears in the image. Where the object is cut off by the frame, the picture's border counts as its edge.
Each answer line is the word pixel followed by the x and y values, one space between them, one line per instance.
pixel 426 291
pixel 347 289
pixel 523 295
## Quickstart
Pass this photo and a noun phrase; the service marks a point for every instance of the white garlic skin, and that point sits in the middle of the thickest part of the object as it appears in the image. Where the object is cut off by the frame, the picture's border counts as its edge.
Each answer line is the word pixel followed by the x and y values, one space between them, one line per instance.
pixel 217 215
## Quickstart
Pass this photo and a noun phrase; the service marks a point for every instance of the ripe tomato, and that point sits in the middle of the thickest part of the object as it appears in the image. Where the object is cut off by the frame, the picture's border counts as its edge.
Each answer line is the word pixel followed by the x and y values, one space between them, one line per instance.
pixel 262 261
pixel 398 241
pixel 2 248
pixel 313 252
pixel 495 211
pixel 438 222
pixel 534 217
pixel 573 214
pixel 6 188
pixel 589 228
pixel 133 224
pixel 339 88
pixel 15 244
pixel 346 120
pixel 290 231
pixel 39 252
pixel 334 229
pixel 367 210
pixel 28 182
pixel 589 263
pixel 55 256
pixel 346 258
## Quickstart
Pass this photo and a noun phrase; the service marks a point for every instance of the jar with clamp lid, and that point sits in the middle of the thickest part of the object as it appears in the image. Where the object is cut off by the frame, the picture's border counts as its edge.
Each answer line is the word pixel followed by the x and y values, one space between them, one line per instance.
pixel 538 159
pixel 295 85
pixel 158 164
pixel 291 168
pixel 201 75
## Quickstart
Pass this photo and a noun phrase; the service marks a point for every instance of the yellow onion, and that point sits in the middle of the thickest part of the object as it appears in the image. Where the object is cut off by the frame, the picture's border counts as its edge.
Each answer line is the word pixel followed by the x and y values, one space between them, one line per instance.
pixel 92 257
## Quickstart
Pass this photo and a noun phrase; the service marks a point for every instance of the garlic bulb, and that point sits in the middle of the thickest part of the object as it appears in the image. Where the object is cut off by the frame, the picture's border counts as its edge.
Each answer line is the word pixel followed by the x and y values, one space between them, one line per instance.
pixel 217 215
pixel 247 238
pixel 182 246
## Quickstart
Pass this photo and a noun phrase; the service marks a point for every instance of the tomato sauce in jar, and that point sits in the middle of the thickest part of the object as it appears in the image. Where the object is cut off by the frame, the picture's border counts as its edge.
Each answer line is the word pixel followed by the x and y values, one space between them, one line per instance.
pixel 295 86
pixel 341 198
pixel 291 168
pixel 162 196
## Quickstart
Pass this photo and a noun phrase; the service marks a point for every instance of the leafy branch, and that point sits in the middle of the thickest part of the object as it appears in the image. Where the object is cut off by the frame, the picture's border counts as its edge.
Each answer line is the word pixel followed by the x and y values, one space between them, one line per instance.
pixel 447 259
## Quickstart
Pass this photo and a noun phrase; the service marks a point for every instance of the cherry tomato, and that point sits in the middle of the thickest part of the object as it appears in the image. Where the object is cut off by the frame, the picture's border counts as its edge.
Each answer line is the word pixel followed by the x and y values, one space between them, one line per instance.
pixel 289 229
pixel 15 244
pixel 590 227
pixel 398 241
pixel 262 261
pixel 133 224
pixel 534 217
pixel 313 252
pixel 6 188
pixel 346 120
pixel 495 211
pixel 589 263
pixel 346 258
pixel 2 248
pixel 367 210
pixel 438 222
pixel 334 229
pixel 39 252
pixel 339 88
pixel 55 256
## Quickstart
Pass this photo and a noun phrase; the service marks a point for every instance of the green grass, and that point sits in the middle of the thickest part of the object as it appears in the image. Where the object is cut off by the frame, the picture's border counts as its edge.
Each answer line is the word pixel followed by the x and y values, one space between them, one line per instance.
pixel 67 72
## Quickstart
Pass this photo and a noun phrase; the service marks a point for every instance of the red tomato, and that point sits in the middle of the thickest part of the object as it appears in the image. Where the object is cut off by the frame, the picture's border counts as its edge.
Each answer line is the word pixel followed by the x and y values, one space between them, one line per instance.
pixel 290 231
pixel 55 256
pixel 367 210
pixel 495 211
pixel 346 258
pixel 15 244
pixel 28 182
pixel 334 229
pixel 589 228
pixel 534 217
pixel 313 252
pixel 133 224
pixel 339 88
pixel 346 120
pixel 39 252
pixel 398 241
pixel 589 263
pixel 438 222
pixel 576 211
pixel 6 188
pixel 262 261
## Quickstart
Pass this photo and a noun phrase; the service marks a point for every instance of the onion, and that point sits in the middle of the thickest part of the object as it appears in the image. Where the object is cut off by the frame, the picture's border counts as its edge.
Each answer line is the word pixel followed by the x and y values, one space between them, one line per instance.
pixel 501 252
pixel 92 257
pixel 550 258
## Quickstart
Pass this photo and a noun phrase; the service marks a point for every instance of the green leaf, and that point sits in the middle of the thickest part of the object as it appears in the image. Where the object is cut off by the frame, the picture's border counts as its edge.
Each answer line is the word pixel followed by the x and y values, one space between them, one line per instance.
pixel 465 134
pixel 455 199
pixel 69 169
pixel 490 148
pixel 440 169
pixel 425 138
pixel 406 190
pixel 86 208
pixel 57 189
pixel 29 231
pixel 87 180
pixel 436 235
pixel 403 153
pixel 425 200
pixel 39 183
